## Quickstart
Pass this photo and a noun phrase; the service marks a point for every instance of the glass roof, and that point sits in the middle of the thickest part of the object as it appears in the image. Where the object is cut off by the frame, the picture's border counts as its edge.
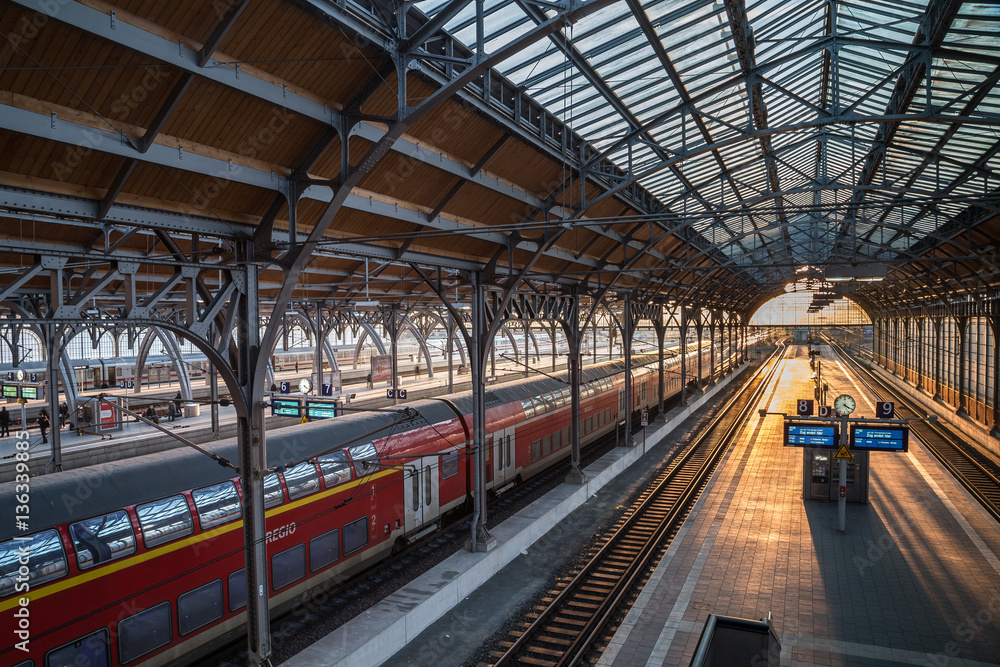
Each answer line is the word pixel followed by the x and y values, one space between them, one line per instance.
pixel 788 132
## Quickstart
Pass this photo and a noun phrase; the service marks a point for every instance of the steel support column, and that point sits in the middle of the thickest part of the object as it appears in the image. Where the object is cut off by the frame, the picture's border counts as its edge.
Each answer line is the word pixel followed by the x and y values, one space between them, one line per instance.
pixel 53 347
pixel 994 321
pixel 711 350
pixel 938 357
pixel 573 336
pixel 253 466
pixel 627 344
pixel 963 324
pixel 480 539
pixel 683 350
pixel 698 329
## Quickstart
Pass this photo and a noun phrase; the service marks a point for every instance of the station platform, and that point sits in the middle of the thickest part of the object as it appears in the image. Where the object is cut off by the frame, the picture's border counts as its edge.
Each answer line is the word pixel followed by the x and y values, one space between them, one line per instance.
pixel 914 579
pixel 451 610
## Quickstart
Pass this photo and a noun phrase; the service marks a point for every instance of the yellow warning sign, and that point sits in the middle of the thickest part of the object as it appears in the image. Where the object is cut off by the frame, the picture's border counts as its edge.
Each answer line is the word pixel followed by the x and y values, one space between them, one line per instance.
pixel 844 453
pixel 304 420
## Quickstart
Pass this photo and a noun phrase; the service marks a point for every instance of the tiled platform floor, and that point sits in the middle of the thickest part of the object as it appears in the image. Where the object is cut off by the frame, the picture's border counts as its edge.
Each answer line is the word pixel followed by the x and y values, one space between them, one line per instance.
pixel 914 580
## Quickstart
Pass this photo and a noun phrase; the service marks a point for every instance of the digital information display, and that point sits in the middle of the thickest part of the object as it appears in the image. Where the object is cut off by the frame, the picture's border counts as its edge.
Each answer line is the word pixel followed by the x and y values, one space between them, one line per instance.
pixel 286 407
pixel 880 439
pixel 30 393
pixel 10 391
pixel 798 434
pixel 321 409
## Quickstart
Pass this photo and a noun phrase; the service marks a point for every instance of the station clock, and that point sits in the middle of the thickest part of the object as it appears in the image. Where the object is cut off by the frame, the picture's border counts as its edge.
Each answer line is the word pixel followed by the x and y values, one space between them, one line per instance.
pixel 844 404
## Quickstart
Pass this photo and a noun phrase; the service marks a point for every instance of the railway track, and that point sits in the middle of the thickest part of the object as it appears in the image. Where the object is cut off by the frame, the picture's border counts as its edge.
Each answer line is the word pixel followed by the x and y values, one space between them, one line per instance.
pixel 578 614
pixel 976 471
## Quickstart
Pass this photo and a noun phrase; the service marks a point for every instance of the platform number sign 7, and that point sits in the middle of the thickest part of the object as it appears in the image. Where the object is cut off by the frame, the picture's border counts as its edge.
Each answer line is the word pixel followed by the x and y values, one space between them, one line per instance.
pixel 885 409
pixel 804 407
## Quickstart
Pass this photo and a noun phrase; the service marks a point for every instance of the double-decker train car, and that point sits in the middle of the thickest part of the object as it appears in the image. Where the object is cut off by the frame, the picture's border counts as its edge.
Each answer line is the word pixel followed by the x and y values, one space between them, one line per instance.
pixel 140 562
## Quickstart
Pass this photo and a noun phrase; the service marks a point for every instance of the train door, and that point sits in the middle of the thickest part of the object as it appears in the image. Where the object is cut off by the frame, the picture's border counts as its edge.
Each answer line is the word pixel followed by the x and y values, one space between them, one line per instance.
pixel 502 456
pixel 421 491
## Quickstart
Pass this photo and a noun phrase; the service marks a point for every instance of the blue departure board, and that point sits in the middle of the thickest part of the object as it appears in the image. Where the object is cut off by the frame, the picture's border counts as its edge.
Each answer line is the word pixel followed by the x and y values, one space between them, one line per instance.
pixel 799 434
pixel 880 439
pixel 321 409
pixel 286 407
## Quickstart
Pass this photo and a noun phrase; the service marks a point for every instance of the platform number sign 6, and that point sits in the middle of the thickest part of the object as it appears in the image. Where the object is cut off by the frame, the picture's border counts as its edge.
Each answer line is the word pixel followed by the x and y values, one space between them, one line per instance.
pixel 885 409
pixel 804 407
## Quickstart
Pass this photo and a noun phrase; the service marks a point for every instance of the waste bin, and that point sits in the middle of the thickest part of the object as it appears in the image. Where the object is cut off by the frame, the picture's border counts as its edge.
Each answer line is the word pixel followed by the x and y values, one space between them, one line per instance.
pixel 727 640
pixel 191 409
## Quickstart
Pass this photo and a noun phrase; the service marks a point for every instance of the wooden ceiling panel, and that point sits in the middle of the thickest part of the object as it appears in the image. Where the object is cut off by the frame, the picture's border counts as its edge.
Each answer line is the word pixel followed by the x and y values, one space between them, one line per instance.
pixel 198 194
pixel 319 59
pixel 458 131
pixel 519 163
pixel 62 66
pixel 328 164
pixel 477 203
pixel 49 160
pixel 256 129
pixel 401 178
pixel 195 19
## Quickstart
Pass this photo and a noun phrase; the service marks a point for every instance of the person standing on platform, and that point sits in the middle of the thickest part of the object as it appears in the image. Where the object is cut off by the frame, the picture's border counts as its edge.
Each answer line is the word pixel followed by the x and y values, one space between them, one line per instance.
pixel 4 422
pixel 369 380
pixel 43 425
pixel 177 405
pixel 63 414
pixel 171 411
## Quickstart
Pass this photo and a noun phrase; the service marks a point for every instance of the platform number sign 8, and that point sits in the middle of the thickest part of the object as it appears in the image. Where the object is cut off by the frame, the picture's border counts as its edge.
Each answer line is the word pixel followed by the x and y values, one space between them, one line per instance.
pixel 885 409
pixel 804 407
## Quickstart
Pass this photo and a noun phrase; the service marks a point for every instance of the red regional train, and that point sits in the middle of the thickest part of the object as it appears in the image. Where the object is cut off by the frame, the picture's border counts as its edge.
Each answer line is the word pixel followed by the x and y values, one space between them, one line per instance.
pixel 140 561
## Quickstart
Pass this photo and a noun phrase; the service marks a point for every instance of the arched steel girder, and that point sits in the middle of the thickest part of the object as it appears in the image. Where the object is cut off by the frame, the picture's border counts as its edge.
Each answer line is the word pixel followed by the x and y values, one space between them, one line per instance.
pixel 319 333
pixel 173 351
pixel 65 365
pixel 427 312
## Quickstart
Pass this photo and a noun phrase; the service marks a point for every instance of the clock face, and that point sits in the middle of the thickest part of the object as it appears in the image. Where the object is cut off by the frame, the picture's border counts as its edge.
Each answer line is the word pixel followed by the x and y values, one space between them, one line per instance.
pixel 844 404
pixel 21 374
pixel 305 385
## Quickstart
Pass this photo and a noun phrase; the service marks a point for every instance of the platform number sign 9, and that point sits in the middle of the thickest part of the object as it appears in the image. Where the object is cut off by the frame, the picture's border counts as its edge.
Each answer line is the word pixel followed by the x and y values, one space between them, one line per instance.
pixel 804 407
pixel 885 409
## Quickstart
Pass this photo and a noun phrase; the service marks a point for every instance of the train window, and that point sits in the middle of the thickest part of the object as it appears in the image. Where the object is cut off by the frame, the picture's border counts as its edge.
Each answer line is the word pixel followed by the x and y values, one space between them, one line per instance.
pixel 546 445
pixel 144 632
pixel 288 566
pixel 550 402
pixel 273 495
pixel 301 480
pixel 449 465
pixel 47 561
pixel 335 467
pixel 565 437
pixel 217 504
pixel 365 459
pixel 355 535
pixel 91 650
pixel 536 450
pixel 102 539
pixel 567 395
pixel 415 489
pixel 529 408
pixel 199 607
pixel 25 663
pixel 428 486
pixel 539 404
pixel 237 589
pixel 164 520
pixel 324 549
